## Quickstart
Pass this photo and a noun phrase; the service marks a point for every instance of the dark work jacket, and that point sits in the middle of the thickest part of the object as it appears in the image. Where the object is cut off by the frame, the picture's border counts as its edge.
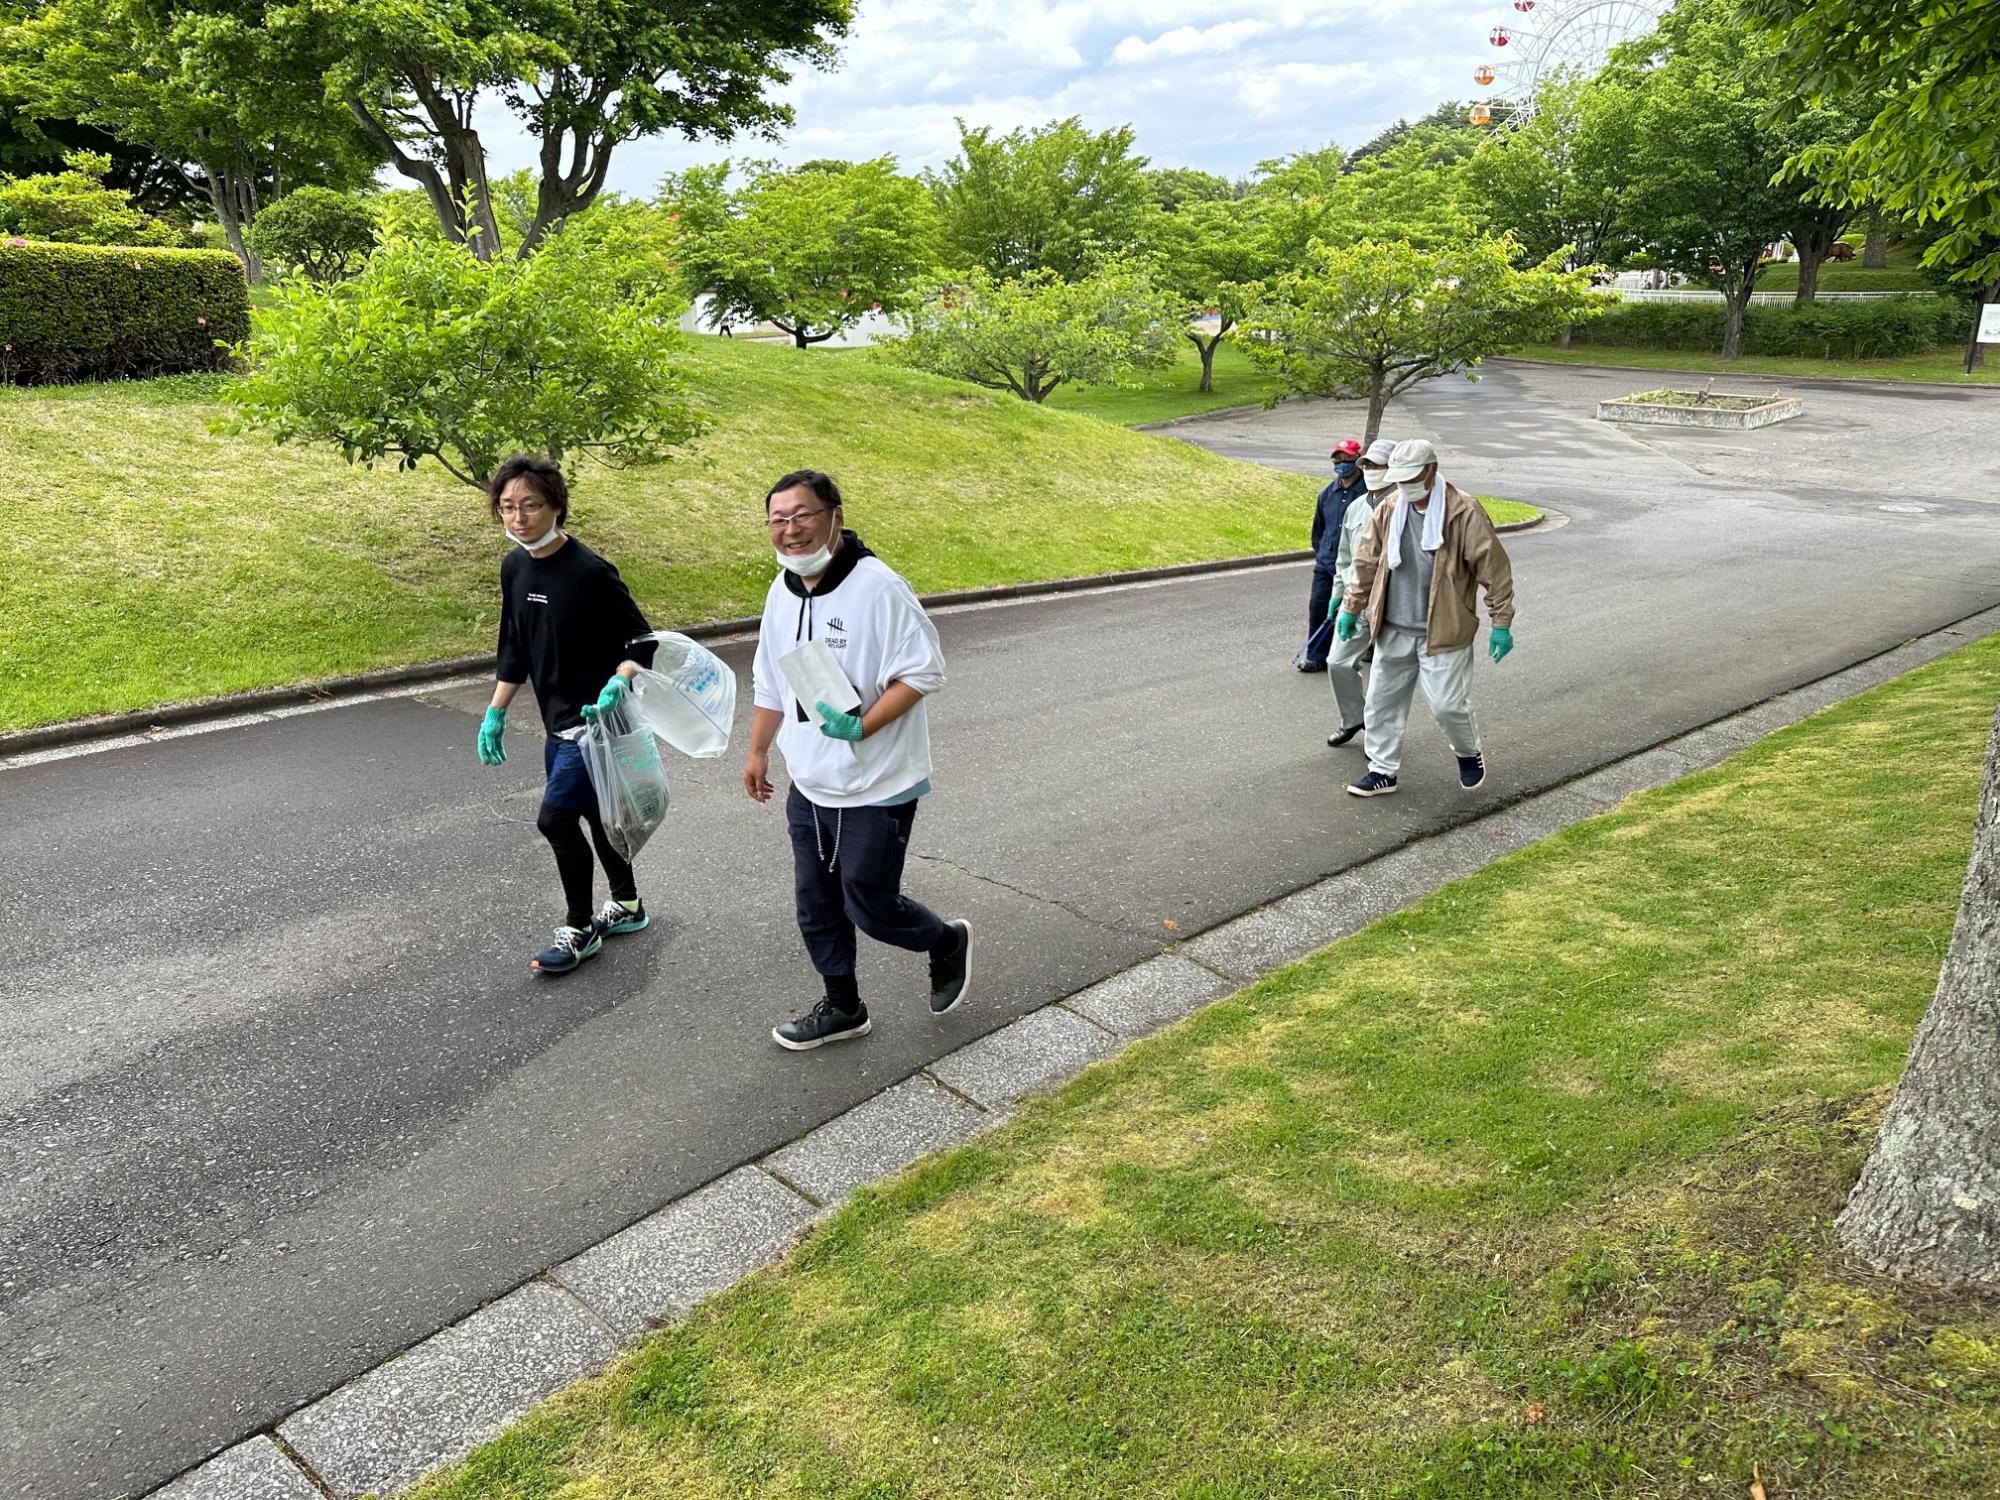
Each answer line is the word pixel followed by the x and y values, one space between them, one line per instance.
pixel 1327 516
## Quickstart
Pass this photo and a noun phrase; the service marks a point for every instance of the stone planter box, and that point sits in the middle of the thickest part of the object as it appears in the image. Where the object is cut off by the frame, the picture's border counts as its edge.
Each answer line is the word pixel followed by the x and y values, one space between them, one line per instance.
pixel 1728 413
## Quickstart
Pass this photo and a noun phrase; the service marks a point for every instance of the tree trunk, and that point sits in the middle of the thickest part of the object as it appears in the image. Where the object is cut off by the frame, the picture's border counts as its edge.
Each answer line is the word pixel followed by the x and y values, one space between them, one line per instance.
pixel 1208 363
pixel 1735 300
pixel 224 196
pixel 1563 334
pixel 1378 401
pixel 1927 1205
pixel 1875 252
pixel 1809 264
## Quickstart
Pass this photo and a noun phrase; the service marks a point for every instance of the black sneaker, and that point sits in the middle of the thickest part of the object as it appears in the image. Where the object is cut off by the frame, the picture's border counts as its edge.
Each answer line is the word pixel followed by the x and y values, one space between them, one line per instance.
pixel 615 921
pixel 1345 733
pixel 1471 770
pixel 1374 784
pixel 824 1023
pixel 951 976
pixel 1311 666
pixel 571 947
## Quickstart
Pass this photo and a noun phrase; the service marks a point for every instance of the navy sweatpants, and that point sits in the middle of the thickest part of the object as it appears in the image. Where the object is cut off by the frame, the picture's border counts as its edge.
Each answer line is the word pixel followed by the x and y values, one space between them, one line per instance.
pixel 865 847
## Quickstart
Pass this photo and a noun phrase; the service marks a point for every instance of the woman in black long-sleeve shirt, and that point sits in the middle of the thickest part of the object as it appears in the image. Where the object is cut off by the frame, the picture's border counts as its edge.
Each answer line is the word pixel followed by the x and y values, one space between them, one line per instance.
pixel 568 625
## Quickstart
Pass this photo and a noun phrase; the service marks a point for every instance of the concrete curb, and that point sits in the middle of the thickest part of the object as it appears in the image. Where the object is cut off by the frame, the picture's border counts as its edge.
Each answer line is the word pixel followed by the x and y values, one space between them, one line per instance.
pixel 249 706
pixel 1803 382
pixel 434 1403
pixel 232 710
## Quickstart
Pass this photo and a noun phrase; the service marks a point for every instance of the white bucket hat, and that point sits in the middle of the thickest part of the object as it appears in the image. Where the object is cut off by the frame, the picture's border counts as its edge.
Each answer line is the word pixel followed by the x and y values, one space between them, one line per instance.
pixel 1410 458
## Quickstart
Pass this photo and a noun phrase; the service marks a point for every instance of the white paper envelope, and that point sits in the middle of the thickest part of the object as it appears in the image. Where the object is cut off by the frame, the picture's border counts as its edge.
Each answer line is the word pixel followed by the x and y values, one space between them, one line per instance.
pixel 813 672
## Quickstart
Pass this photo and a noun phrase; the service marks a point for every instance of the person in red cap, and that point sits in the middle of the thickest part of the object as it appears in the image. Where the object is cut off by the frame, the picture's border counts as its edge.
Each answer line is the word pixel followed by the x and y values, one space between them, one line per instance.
pixel 1328 513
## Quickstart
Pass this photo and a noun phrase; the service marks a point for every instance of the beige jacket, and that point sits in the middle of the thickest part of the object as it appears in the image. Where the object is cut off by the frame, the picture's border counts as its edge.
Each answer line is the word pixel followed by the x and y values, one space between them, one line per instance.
pixel 1469 558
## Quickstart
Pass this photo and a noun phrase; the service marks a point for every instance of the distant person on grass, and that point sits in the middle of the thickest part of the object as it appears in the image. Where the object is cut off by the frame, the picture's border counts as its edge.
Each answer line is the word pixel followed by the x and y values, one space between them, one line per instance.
pixel 567 622
pixel 1343 666
pixel 856 776
pixel 1340 491
pixel 1421 561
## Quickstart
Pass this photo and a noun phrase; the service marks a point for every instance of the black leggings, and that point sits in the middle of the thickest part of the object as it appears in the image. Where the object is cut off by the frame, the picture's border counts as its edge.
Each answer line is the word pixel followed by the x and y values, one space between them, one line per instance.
pixel 559 827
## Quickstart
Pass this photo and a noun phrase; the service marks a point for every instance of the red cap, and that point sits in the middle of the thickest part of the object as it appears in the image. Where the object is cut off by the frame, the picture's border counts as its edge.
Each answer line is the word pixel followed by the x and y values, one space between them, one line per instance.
pixel 1347 448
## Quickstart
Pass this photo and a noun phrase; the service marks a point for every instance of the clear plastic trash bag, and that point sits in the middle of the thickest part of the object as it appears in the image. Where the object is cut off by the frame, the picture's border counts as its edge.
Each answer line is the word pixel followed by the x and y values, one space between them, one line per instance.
pixel 687 697
pixel 623 759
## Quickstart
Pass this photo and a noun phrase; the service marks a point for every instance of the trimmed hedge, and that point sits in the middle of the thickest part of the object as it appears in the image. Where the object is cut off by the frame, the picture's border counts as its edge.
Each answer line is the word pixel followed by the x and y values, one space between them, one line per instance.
pixel 1880 328
pixel 102 312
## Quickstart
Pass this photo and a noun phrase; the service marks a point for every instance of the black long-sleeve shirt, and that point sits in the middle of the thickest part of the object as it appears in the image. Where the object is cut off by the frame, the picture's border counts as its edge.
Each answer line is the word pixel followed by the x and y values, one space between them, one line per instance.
pixel 566 622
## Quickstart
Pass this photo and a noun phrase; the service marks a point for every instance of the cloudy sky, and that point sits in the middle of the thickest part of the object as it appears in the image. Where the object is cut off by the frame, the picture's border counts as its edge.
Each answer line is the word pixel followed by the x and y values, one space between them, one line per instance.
pixel 1218 84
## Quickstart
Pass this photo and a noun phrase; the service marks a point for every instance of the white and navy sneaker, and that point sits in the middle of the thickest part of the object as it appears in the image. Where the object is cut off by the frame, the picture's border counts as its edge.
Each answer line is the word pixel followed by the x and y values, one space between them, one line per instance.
pixel 615 921
pixel 1374 784
pixel 571 947
pixel 1471 770
pixel 951 975
pixel 825 1022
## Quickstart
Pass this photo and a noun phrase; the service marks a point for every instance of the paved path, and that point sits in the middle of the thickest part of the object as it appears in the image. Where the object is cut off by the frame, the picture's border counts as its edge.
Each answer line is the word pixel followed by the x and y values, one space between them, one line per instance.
pixel 279 1097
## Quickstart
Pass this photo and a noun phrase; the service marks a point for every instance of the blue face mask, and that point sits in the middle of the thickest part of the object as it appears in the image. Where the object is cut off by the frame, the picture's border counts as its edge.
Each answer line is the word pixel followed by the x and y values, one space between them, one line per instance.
pixel 1345 471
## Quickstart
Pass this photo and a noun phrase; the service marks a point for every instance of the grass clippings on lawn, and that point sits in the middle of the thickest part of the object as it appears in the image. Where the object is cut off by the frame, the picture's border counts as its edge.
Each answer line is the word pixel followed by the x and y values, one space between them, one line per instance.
pixel 1522 1192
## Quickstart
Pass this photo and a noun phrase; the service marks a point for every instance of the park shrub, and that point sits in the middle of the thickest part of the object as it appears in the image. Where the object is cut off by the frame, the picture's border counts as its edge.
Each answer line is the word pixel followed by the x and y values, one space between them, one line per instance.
pixel 315 230
pixel 1878 328
pixel 101 312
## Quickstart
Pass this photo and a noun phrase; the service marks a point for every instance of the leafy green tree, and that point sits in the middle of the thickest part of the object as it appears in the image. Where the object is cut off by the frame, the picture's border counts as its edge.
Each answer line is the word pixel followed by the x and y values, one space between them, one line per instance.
pixel 1708 155
pixel 1563 176
pixel 1058 198
pixel 1175 186
pixel 1926 150
pixel 199 84
pixel 1367 321
pixel 1444 127
pixel 581 77
pixel 1210 254
pixel 318 231
pixel 1037 332
pixel 432 353
pixel 1413 190
pixel 75 207
pixel 810 250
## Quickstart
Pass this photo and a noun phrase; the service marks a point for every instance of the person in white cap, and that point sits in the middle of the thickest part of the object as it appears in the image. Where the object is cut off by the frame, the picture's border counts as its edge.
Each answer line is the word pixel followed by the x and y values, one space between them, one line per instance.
pixel 1417 572
pixel 1343 665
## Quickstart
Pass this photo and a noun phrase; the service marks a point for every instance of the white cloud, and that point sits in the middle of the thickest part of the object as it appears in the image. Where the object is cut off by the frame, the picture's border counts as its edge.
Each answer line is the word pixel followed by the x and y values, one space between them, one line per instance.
pixel 1190 41
pixel 1217 84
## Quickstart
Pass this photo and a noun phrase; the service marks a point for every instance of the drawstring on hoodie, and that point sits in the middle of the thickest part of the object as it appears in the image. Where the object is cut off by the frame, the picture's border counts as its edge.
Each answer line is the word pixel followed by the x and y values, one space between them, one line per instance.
pixel 839 822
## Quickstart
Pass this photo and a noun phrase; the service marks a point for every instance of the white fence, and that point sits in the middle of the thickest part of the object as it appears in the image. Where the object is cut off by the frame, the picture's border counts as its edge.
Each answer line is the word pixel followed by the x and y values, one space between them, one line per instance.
pixel 1704 294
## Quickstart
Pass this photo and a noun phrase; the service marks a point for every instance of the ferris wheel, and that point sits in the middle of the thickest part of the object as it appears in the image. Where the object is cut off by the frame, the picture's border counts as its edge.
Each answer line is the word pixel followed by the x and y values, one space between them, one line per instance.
pixel 1556 36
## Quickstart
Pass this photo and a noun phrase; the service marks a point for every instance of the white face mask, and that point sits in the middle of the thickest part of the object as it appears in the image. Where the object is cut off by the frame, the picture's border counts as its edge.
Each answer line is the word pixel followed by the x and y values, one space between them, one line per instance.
pixel 810 566
pixel 542 541
pixel 1413 490
pixel 1377 481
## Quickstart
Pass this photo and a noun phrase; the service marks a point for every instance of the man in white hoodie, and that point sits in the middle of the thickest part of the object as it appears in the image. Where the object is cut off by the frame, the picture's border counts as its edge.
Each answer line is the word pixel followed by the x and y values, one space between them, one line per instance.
pixel 856 776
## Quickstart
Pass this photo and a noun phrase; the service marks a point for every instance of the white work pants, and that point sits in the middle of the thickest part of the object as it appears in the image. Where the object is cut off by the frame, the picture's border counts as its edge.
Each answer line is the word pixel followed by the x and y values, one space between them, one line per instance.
pixel 1343 670
pixel 1400 664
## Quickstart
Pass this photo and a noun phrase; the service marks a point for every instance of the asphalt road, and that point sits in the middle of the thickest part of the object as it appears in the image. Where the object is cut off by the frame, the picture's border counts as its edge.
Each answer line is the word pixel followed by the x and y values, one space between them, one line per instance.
pixel 278 1095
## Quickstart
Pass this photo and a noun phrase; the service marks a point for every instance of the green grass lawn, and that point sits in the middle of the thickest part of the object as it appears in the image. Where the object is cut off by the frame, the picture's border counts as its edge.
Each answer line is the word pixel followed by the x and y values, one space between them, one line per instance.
pixel 1507 512
pixel 1945 367
pixel 1522 1192
pixel 1900 275
pixel 1172 392
pixel 157 562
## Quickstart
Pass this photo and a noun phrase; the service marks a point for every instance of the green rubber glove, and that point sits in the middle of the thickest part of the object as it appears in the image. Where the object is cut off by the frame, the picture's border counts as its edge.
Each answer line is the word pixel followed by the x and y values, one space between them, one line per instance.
pixel 491 751
pixel 1347 626
pixel 839 726
pixel 614 692
pixel 1501 642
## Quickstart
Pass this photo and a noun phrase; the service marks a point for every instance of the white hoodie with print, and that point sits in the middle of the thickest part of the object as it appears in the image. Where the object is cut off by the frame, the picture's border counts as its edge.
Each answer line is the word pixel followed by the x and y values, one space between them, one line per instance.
pixel 879 633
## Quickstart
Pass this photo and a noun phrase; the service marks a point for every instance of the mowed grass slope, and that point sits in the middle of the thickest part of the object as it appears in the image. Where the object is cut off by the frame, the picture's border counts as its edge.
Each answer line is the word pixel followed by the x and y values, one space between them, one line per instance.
pixel 150 561
pixel 1523 1192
